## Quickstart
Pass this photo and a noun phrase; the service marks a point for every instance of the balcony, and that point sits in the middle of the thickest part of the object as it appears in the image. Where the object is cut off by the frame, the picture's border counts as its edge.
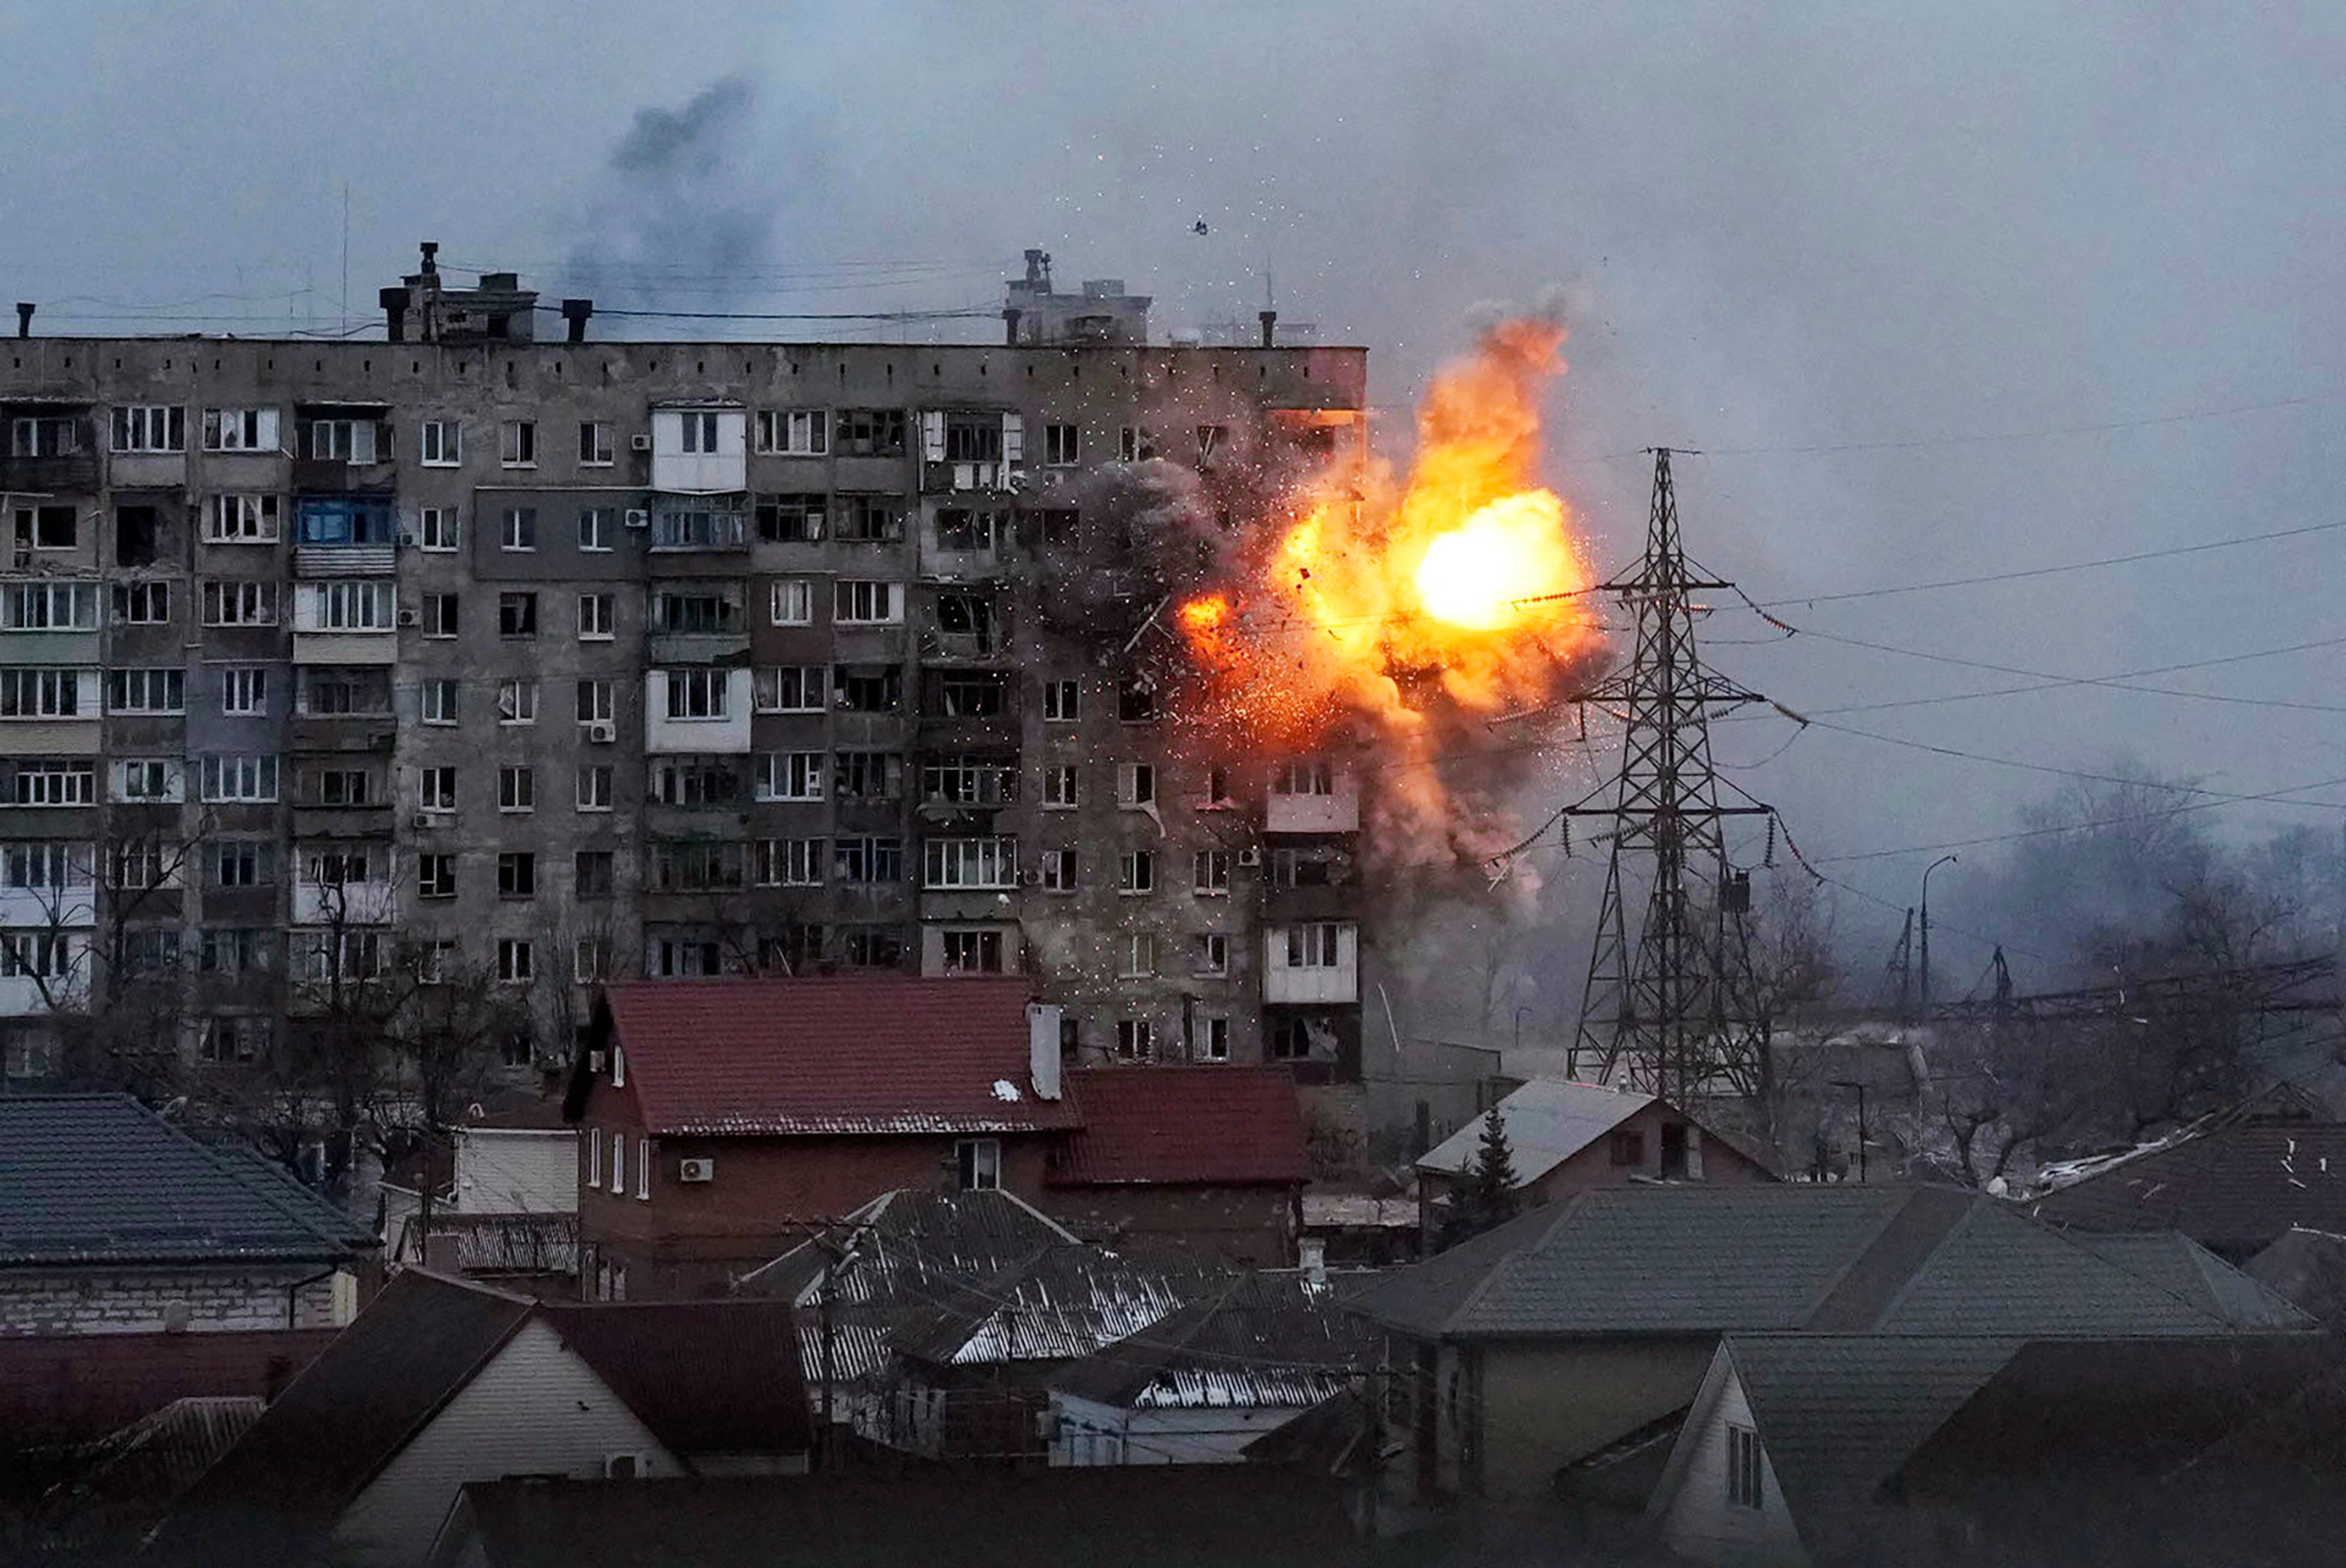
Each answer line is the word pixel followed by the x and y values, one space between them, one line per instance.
pixel 350 903
pixel 345 560
pixel 678 526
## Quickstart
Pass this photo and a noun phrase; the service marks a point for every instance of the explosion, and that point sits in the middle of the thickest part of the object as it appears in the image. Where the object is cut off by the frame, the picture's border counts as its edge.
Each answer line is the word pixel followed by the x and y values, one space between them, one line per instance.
pixel 1390 610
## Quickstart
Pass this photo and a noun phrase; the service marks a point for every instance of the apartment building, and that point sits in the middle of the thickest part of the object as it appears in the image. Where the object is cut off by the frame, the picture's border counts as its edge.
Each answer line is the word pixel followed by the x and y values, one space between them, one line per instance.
pixel 548 662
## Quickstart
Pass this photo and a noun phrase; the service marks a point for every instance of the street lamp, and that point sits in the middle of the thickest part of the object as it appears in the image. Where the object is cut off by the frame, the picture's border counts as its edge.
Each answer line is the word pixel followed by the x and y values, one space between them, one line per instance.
pixel 1862 1139
pixel 1934 865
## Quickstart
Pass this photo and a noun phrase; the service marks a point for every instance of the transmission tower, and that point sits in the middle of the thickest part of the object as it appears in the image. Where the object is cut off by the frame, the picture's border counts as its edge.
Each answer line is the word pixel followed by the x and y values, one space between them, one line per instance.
pixel 1673 1012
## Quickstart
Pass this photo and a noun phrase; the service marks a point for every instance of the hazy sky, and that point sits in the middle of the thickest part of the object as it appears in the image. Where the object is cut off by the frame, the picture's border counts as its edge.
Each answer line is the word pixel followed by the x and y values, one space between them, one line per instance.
pixel 1784 227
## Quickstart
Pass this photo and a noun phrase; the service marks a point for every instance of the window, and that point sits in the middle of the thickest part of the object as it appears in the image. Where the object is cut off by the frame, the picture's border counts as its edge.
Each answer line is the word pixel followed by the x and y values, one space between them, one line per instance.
pixel 436 528
pixel 959 528
pixel 1062 527
pixel 42 692
pixel 1136 784
pixel 243 863
pixel 517 443
pixel 150 428
pixel 595 530
pixel 240 430
pixel 979 1164
pixel 244 690
pixel 1744 1480
pixel 48 607
pixel 57 781
pixel 1060 445
pixel 971 694
pixel 595 1159
pixel 793 519
pixel 1059 787
pixel 1218 788
pixel 1136 700
pixel 599 701
pixel 147 691
pixel 520 529
pixel 788 862
pixel 861 689
pixel 792 602
pixel 694 782
pixel 144 863
pixel 1629 1149
pixel 517 615
pixel 1312 945
pixel 232 950
pixel 695 866
pixel 590 960
pixel 1132 444
pixel 437 700
pixel 345 607
pixel 866 602
pixel 351 441
pixel 1136 871
pixel 518 701
pixel 1137 956
pixel 440 614
pixel 868 776
pixel 1212 439
pixel 793 431
pixel 442 442
pixel 335 868
pixel 1308 777
pixel 871 519
pixel 1061 701
pixel 972 952
pixel 716 612
pixel 436 789
pixel 240 519
pixel 46 866
pixel 593 873
pixel 516 789
pixel 697 693
pixel 517 960
pixel 791 776
pixel 705 525
pixel 963 437
pixel 970 781
pixel 1209 953
pixel 516 874
pixel 789 688
pixel 679 958
pixel 435 876
pixel 1059 871
pixel 1213 1040
pixel 234 1039
pixel 970 863
pixel 700 433
pixel 868 859
pixel 337 689
pixel 1211 873
pixel 229 604
pixel 595 786
pixel 870 432
pixel 341 787
pixel 142 604
pixel 1312 868
pixel 596 447
pixel 1135 1039
pixel 47 528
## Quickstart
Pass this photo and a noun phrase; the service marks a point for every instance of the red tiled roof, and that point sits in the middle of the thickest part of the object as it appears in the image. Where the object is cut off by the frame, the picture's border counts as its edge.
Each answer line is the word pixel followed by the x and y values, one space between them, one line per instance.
pixel 751 1057
pixel 1222 1126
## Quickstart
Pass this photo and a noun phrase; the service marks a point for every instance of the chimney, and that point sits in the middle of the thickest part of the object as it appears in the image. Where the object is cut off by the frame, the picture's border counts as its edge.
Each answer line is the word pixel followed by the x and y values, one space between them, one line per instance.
pixel 431 257
pixel 1269 320
pixel 1043 1048
pixel 1038 269
pixel 24 318
pixel 1314 1253
pixel 395 313
pixel 1010 325
pixel 574 312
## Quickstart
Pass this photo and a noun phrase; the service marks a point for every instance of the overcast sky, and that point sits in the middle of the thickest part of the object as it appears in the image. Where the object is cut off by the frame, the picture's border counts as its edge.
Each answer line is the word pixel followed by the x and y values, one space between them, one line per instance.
pixel 1912 231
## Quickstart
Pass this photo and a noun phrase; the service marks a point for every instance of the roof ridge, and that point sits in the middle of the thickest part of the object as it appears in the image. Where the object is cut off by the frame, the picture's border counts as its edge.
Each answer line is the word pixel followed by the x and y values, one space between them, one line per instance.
pixel 1836 1278
pixel 271 1192
pixel 1569 1208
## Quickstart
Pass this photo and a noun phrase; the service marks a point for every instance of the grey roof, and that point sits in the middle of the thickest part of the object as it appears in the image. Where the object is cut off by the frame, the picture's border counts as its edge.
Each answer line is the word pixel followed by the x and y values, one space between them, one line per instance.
pixel 1060 1303
pixel 1547 1122
pixel 100 1179
pixel 1277 1340
pixel 1841 1259
pixel 2307 1269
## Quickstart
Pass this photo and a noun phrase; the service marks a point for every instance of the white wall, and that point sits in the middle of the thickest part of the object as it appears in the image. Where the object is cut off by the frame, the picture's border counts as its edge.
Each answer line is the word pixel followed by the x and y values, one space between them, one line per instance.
pixel 699 472
pixel 152 1301
pixel 1698 1522
pixel 1336 813
pixel 536 1408
pixel 1338 982
pixel 509 1170
pixel 729 735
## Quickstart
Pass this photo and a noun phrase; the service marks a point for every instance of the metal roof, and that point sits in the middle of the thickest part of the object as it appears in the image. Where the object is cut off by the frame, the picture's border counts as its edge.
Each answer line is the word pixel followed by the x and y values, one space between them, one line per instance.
pixel 1185 1125
pixel 1547 1122
pixel 1279 1340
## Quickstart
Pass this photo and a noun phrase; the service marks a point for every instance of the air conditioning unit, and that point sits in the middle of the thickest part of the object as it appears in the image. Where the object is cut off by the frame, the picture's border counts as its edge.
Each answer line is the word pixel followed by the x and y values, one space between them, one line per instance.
pixel 407 541
pixel 602 732
pixel 1031 877
pixel 638 518
pixel 410 618
pixel 641 441
pixel 696 1170
pixel 421 820
pixel 1249 856
pixel 624 1466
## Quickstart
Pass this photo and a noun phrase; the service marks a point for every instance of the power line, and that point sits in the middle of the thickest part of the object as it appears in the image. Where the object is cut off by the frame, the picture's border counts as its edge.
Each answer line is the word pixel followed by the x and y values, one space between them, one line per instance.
pixel 2044 432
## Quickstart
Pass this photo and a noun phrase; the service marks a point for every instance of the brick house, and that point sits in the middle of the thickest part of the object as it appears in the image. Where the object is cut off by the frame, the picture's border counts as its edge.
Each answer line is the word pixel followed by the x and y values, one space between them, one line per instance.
pixel 1204 1159
pixel 716 1117
pixel 114 1221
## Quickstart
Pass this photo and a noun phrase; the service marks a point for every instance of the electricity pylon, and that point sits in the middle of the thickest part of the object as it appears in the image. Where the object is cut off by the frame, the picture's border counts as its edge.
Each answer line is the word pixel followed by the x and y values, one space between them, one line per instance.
pixel 1674 1014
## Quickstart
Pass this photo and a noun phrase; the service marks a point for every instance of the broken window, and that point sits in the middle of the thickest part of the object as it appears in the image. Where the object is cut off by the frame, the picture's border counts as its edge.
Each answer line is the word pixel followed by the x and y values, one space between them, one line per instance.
pixel 968 619
pixel 871 519
pixel 960 528
pixel 142 604
pixel 793 431
pixel 868 859
pixel 44 437
pixel 870 432
pixel 869 691
pixel 867 775
pixel 694 782
pixel 47 528
pixel 792 519
pixel 138 534
pixel 972 952
pixel 150 428
pixel 696 614
pixel 971 694
pixel 972 438
pixel 970 781
pixel 1061 526
pixel 1135 699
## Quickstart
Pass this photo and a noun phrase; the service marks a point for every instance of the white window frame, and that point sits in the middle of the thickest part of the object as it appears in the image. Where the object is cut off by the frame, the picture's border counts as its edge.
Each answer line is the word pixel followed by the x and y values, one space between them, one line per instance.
pixel 1213 954
pixel 790 862
pixel 437 529
pixel 516 961
pixel 1136 873
pixel 597 617
pixel 440 701
pixel 867 602
pixel 605 707
pixel 45 691
pixel 1137 956
pixel 517 700
pixel 48 606
pixel 517 788
pixel 122 682
pixel 1135 785
pixel 1062 787
pixel 1209 873
pixel 150 428
pixel 240 777
pixel 977 1164
pixel 239 602
pixel 809 686
pixel 790 602
pixel 982 864
pixel 698 694
pixel 136 602
pixel 598 444
pixel 793 431
pixel 440 443
pixel 517 530
pixel 240 430
pixel 517 443
pixel 244 691
pixel 595 530
pixel 437 788
pixel 595 786
pixel 1063 701
pixel 792 775
pixel 1062 444
pixel 1060 868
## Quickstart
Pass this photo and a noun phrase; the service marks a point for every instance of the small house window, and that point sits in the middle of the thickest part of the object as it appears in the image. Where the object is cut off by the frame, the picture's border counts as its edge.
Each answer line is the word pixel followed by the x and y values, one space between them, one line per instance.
pixel 1743 1479
pixel 1629 1149
pixel 980 1162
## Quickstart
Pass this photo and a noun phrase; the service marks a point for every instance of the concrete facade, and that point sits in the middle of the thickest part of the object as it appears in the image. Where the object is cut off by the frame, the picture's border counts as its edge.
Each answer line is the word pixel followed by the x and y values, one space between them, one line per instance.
pixel 563 661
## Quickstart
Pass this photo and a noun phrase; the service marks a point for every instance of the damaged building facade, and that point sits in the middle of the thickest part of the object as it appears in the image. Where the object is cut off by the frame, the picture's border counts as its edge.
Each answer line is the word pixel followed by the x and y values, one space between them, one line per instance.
pixel 549 662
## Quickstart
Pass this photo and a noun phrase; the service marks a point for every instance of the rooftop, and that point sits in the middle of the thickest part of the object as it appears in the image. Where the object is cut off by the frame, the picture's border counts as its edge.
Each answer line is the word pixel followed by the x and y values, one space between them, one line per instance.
pixel 1547 1122
pixel 2235 1185
pixel 1272 1339
pixel 862 1056
pixel 100 1179
pixel 1225 1125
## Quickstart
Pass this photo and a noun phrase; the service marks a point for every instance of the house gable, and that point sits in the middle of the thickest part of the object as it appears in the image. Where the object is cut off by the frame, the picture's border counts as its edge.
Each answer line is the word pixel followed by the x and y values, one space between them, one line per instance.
pixel 1693 1507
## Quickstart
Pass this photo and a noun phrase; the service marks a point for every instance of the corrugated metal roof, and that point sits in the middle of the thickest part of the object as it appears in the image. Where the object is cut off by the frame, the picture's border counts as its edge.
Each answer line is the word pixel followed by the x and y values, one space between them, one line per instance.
pixel 1278 1338
pixel 736 1058
pixel 99 1178
pixel 1547 1122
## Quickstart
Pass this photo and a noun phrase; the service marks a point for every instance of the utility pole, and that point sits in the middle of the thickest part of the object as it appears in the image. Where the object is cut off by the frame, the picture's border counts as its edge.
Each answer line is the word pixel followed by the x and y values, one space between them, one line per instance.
pixel 1672 1013
pixel 1934 865
pixel 1865 1134
pixel 1901 965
